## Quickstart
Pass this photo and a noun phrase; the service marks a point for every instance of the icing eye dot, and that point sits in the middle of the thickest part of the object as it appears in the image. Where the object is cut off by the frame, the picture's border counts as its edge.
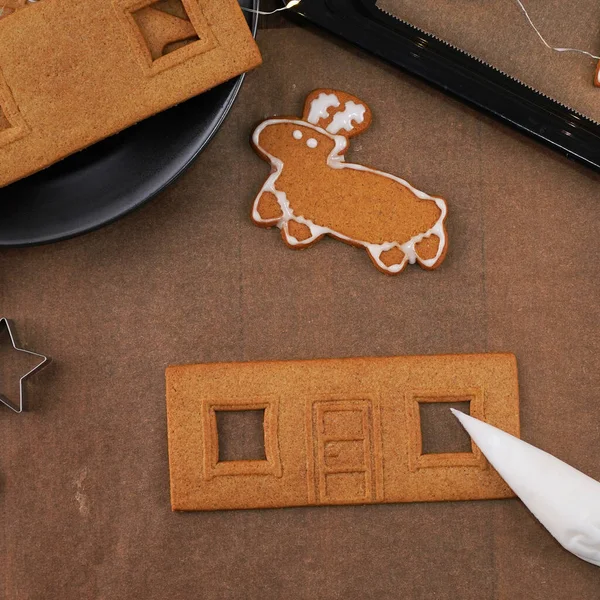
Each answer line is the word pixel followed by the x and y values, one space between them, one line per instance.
pixel 311 143
pixel 297 134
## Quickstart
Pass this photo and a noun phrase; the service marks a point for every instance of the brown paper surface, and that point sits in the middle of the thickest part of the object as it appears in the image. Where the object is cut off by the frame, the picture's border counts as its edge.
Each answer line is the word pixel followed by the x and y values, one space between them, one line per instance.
pixel 84 481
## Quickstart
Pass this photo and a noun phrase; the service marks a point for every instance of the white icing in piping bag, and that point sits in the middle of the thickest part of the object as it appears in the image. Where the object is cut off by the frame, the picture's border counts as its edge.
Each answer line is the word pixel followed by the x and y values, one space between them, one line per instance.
pixel 564 500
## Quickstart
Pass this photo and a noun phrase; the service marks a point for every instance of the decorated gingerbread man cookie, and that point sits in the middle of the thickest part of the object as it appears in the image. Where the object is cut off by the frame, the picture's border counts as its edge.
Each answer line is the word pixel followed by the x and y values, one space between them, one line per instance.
pixel 312 191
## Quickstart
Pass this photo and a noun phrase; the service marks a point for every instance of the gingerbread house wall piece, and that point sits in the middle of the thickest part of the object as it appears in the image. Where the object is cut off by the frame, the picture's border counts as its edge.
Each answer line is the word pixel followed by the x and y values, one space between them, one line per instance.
pixel 344 431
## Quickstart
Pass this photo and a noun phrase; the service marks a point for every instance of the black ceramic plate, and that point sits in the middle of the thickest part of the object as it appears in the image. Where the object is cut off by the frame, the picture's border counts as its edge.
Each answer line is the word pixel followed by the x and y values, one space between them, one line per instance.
pixel 106 181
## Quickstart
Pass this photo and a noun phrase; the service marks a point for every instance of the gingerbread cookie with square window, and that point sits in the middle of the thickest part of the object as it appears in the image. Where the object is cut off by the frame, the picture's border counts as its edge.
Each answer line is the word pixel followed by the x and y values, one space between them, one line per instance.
pixel 335 431
pixel 312 191
pixel 74 72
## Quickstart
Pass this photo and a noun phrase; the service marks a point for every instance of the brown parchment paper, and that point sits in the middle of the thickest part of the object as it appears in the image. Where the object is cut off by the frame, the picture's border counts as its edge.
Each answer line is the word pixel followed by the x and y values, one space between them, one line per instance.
pixel 84 482
pixel 497 31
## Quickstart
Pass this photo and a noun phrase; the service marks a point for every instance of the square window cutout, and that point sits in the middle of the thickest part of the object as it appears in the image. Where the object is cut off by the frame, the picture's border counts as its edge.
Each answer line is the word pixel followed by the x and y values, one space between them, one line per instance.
pixel 165 26
pixel 5 11
pixel 436 437
pixel 4 122
pixel 12 125
pixel 441 432
pixel 241 434
pixel 240 437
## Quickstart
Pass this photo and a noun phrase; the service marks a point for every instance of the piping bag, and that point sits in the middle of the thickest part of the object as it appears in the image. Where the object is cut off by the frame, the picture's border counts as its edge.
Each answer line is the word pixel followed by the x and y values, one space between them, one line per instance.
pixel 564 500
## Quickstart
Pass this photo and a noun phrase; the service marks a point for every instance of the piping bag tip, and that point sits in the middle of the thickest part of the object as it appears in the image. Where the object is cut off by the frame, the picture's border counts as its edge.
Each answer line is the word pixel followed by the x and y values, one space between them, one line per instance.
pixel 563 499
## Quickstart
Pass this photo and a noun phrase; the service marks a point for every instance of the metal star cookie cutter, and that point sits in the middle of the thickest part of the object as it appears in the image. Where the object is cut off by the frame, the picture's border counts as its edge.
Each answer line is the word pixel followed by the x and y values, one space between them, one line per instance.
pixel 5 324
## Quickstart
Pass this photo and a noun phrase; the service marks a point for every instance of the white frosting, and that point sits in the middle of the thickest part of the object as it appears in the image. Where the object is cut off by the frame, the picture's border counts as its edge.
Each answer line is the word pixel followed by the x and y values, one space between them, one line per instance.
pixel 319 107
pixel 352 113
pixel 312 143
pixel 335 160
pixel 297 134
pixel 563 499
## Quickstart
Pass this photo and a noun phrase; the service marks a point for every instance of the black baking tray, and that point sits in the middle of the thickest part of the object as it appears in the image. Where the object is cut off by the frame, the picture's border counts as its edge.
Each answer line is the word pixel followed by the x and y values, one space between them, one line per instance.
pixel 459 74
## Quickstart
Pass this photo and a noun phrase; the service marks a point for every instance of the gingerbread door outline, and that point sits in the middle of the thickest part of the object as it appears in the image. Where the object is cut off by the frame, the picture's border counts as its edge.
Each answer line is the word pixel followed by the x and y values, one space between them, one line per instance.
pixel 344 443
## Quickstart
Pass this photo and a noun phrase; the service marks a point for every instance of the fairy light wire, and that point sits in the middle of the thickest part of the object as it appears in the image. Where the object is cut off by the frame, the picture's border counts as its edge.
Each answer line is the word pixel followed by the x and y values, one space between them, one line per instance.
pixel 576 50
pixel 289 5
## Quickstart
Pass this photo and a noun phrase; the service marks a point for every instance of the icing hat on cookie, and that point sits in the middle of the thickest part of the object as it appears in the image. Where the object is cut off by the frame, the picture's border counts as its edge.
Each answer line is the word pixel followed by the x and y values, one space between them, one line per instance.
pixel 339 113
